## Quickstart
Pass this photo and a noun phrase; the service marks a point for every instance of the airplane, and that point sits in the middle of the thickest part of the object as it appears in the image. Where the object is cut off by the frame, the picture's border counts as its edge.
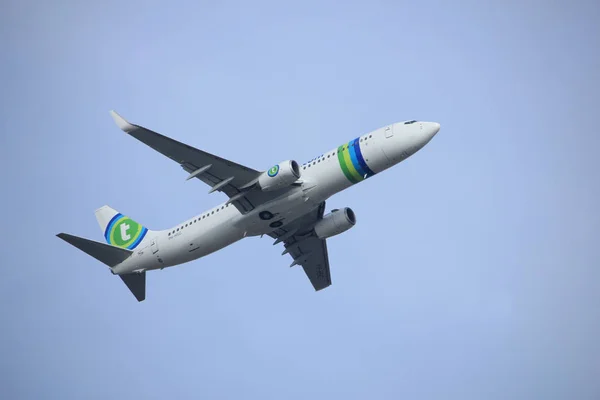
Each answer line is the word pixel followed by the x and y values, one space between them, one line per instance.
pixel 285 202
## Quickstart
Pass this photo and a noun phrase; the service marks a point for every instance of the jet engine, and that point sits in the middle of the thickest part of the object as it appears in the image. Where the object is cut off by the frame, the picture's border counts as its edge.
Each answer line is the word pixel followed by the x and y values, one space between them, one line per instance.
pixel 334 223
pixel 279 176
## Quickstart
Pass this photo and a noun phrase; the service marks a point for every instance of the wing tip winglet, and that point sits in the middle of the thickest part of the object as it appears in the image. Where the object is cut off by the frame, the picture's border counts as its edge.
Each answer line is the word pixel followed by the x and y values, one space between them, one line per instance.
pixel 122 122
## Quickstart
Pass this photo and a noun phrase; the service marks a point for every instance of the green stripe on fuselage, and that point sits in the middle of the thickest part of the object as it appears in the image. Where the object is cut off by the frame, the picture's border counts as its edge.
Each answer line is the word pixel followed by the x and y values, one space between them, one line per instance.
pixel 350 164
pixel 342 160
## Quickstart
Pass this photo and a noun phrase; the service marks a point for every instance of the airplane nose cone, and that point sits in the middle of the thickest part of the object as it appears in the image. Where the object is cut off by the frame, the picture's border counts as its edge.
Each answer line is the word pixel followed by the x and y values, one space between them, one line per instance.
pixel 429 130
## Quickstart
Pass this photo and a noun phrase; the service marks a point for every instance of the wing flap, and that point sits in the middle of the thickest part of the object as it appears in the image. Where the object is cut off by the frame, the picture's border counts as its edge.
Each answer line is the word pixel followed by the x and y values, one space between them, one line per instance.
pixel 306 249
pixel 311 254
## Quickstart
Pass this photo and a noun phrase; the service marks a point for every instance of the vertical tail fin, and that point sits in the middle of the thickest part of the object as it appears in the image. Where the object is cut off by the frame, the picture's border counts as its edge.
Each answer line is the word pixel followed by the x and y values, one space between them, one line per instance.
pixel 119 230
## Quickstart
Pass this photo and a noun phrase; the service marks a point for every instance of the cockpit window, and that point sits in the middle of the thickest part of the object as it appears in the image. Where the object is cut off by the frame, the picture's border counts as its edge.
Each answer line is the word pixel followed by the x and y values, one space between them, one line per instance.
pixel 410 122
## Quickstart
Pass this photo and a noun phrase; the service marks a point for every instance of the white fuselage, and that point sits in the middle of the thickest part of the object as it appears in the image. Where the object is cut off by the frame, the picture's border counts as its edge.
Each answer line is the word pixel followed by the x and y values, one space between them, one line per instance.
pixel 321 178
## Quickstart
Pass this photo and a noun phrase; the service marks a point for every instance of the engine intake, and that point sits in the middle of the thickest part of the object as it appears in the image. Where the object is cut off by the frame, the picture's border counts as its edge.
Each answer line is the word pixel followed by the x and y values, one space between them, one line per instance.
pixel 334 223
pixel 279 176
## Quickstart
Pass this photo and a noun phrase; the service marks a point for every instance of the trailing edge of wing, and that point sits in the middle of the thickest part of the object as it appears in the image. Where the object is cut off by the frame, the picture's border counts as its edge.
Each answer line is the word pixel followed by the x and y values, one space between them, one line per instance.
pixel 122 122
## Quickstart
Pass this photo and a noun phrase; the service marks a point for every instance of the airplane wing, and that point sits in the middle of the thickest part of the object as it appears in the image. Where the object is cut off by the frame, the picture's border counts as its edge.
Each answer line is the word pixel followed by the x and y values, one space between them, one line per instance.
pixel 305 248
pixel 235 180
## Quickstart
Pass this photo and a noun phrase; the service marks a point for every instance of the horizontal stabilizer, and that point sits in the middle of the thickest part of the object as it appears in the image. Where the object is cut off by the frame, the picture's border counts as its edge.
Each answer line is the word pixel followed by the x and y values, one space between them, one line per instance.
pixel 137 284
pixel 109 255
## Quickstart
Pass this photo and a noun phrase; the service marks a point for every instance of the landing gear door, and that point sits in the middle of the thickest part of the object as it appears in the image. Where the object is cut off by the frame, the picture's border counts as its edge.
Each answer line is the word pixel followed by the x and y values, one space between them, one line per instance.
pixel 154 245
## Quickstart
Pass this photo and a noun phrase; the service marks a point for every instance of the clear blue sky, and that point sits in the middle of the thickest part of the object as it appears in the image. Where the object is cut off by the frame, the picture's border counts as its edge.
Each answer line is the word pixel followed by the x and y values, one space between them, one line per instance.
pixel 473 271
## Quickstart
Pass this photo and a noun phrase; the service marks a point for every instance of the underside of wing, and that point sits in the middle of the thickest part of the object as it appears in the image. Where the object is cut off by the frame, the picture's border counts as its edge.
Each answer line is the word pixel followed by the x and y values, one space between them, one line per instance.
pixel 306 248
pixel 233 179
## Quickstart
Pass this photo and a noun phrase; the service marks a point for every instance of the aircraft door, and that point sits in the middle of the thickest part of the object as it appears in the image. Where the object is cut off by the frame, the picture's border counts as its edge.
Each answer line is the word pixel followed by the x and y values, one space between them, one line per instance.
pixel 154 245
pixel 389 131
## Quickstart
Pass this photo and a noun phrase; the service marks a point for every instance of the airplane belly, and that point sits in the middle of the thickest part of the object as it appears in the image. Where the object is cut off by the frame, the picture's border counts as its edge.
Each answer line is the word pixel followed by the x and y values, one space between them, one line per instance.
pixel 198 243
pixel 214 240
pixel 141 260
pixel 277 213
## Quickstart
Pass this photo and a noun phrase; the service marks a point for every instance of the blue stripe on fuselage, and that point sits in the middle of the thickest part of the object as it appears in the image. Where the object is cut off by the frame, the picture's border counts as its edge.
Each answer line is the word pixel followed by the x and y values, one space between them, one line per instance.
pixel 354 158
pixel 361 159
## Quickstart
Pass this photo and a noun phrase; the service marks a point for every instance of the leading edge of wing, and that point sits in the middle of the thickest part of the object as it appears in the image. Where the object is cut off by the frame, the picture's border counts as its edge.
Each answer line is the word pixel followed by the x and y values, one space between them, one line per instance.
pixel 170 147
pixel 221 174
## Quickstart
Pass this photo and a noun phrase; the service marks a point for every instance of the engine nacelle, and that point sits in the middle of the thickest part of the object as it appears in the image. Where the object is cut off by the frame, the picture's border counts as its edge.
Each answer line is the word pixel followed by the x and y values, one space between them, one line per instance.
pixel 279 176
pixel 334 223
